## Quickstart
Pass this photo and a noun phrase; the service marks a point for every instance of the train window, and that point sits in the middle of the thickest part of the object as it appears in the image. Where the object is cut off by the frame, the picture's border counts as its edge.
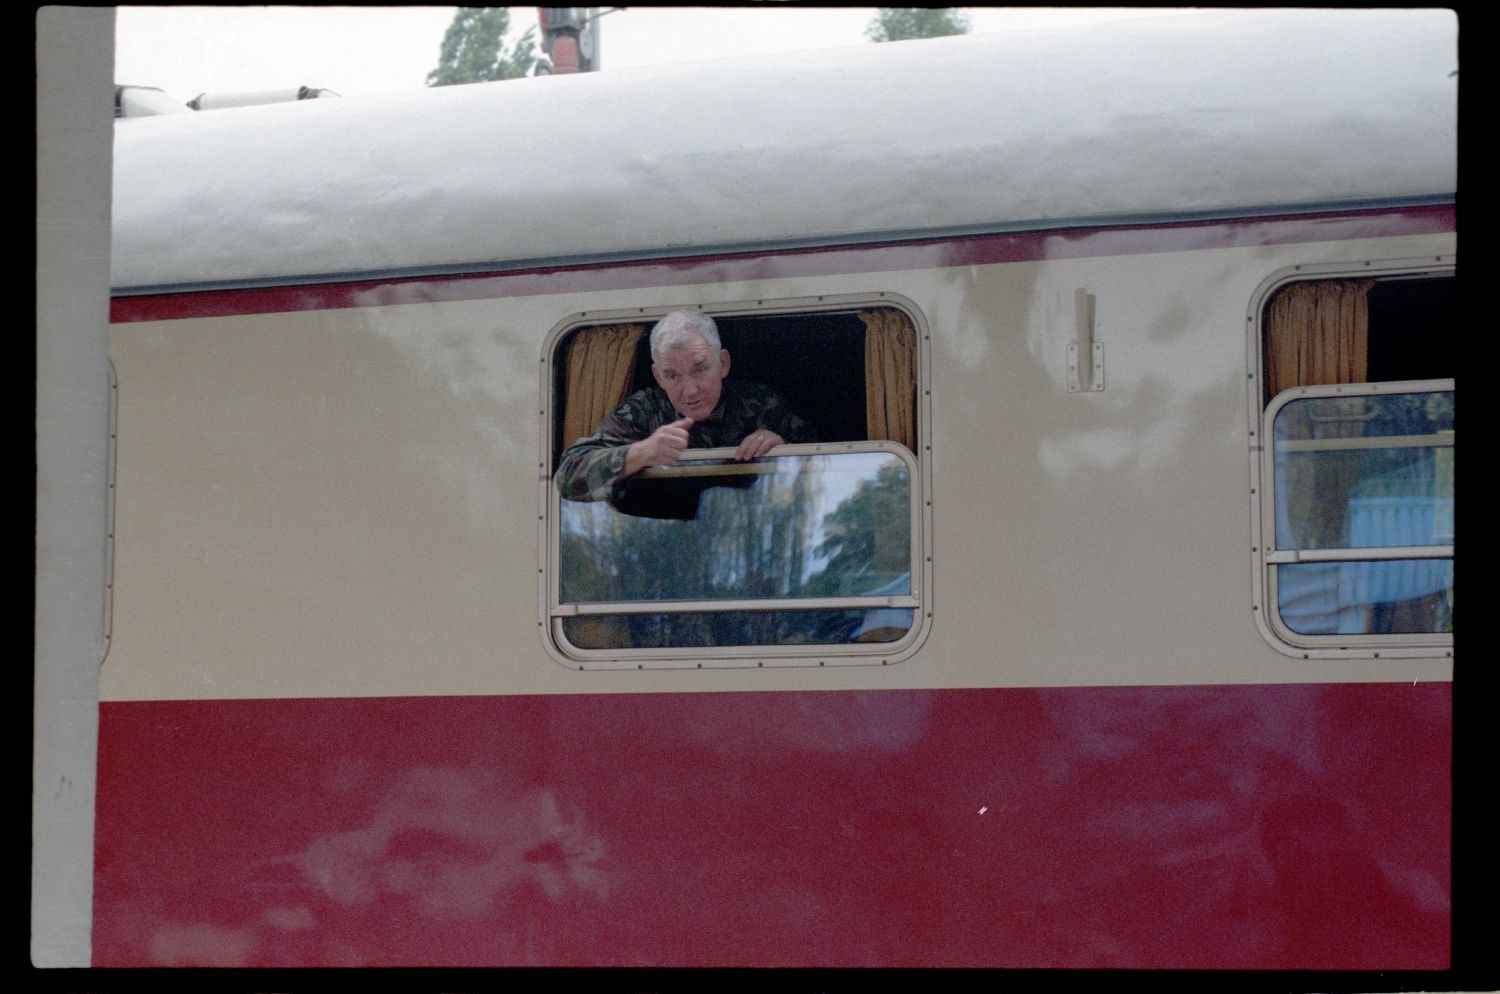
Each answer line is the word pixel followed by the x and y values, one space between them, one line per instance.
pixel 1355 541
pixel 809 555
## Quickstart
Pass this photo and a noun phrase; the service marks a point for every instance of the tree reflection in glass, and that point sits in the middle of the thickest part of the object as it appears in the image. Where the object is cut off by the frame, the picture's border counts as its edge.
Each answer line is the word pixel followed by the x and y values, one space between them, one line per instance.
pixel 827 525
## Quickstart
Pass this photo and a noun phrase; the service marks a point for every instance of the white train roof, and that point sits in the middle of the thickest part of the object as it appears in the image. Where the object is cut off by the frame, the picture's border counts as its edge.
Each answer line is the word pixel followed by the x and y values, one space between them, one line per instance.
pixel 1217 112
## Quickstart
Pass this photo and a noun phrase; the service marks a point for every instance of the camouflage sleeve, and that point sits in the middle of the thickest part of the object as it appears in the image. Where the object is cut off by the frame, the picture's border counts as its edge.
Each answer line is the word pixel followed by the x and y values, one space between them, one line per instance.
pixel 590 468
pixel 778 416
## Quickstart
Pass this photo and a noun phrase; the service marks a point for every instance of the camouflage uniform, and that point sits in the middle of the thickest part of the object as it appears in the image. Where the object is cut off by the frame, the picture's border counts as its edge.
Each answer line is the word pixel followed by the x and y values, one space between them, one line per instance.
pixel 590 468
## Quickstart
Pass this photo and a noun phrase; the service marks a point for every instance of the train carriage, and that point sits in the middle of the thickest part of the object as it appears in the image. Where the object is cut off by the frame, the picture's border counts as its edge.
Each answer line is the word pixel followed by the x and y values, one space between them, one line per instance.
pixel 1108 622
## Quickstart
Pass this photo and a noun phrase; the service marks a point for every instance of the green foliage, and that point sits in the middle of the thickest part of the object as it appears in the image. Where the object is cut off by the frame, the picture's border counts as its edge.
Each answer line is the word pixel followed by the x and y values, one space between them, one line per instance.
pixel 474 49
pixel 901 23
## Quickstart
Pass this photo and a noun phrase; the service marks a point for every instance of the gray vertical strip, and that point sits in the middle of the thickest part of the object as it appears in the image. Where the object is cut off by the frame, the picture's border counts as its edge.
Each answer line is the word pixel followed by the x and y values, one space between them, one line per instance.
pixel 75 120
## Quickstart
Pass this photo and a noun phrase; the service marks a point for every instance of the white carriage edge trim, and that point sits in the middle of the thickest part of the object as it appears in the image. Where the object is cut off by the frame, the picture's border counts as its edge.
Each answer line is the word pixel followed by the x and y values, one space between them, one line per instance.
pixel 1211 112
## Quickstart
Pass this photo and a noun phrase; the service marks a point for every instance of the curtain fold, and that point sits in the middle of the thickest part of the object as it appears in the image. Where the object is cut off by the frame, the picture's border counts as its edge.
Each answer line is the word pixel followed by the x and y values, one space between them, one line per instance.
pixel 890 376
pixel 599 370
pixel 1318 332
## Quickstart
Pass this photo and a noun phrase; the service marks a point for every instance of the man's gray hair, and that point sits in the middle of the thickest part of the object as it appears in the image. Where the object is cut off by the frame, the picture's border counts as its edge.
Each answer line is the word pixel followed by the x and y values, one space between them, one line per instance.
pixel 680 329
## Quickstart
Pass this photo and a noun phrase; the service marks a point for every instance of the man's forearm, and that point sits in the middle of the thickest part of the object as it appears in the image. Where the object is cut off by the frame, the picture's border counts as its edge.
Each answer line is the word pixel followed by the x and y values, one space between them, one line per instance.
pixel 591 472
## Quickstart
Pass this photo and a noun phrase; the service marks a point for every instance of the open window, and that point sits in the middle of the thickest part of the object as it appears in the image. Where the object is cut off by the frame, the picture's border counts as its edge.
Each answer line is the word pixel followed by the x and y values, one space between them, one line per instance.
pixel 1355 533
pixel 813 554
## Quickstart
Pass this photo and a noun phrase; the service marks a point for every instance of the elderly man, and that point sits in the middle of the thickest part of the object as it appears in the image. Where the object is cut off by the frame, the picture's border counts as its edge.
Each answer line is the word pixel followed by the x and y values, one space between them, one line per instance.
pixel 693 405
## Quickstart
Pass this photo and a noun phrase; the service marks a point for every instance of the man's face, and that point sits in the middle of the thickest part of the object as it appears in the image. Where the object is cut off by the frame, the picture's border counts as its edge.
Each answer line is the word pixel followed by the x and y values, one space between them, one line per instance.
pixel 693 378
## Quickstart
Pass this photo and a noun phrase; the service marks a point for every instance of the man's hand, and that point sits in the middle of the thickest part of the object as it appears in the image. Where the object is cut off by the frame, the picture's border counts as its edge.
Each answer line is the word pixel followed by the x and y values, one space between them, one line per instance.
pixel 663 447
pixel 758 443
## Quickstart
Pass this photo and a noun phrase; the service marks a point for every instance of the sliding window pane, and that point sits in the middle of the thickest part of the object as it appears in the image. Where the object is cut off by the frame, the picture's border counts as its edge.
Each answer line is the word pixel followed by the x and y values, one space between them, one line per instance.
pixel 835 525
pixel 1365 472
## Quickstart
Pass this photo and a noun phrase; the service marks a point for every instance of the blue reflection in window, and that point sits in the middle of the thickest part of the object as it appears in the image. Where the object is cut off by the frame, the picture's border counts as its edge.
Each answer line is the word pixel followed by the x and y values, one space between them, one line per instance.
pixel 1338 487
pixel 1399 596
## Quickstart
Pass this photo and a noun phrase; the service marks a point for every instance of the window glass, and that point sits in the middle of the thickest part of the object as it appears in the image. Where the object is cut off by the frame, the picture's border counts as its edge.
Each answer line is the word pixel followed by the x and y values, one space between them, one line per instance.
pixel 1399 597
pixel 1363 493
pixel 785 526
pixel 1365 472
pixel 788 549
pixel 737 628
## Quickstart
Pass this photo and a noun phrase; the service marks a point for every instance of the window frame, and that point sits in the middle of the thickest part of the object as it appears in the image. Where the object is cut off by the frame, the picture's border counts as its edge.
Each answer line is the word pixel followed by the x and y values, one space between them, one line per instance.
pixel 551 610
pixel 1275 557
pixel 1265 556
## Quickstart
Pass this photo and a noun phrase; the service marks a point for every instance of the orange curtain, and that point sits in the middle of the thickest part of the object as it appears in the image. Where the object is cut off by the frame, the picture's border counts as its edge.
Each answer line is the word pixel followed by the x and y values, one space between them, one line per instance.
pixel 890 376
pixel 599 371
pixel 1318 332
